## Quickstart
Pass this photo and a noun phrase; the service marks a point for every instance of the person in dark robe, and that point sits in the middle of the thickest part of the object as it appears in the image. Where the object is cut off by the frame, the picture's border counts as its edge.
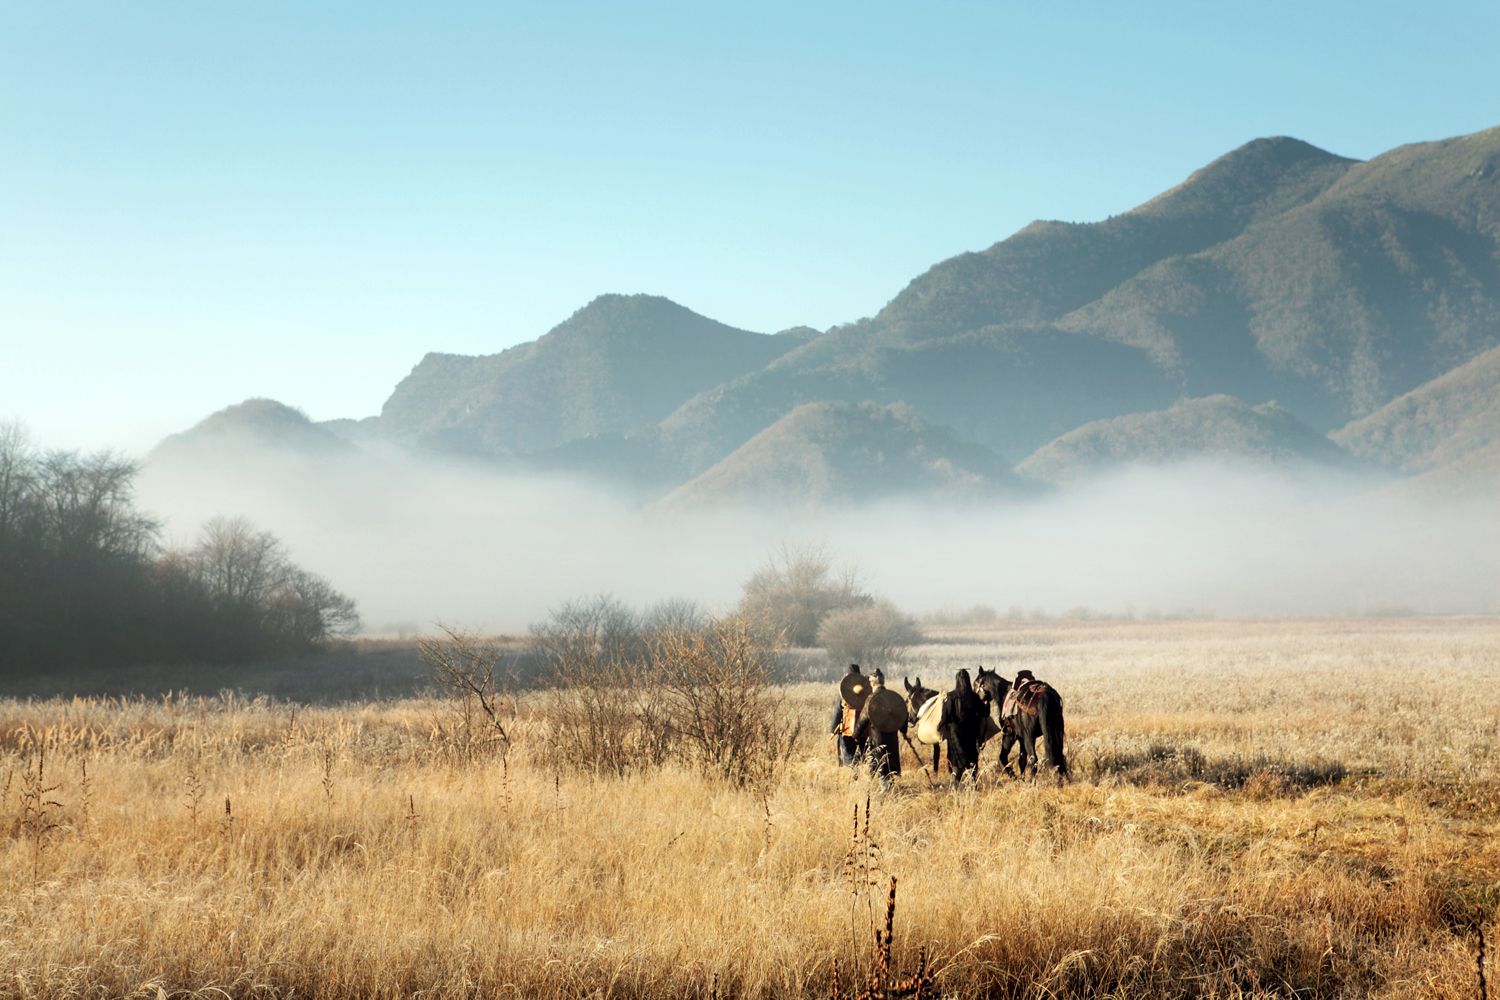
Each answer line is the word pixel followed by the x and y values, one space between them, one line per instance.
pixel 850 743
pixel 964 713
pixel 883 748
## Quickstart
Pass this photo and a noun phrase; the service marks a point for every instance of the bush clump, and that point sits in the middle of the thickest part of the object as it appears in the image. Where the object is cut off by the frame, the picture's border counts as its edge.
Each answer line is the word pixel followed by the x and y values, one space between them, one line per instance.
pixel 788 599
pixel 876 636
pixel 631 692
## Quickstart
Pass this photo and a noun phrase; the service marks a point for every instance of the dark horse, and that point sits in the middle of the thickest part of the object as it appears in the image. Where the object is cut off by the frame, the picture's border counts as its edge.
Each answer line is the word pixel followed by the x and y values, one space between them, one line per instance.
pixel 917 696
pixel 1044 720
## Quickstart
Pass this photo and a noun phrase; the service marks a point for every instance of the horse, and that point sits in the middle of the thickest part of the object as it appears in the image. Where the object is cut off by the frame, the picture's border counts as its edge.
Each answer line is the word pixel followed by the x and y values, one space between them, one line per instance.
pixel 918 696
pixel 1043 717
pixel 927 723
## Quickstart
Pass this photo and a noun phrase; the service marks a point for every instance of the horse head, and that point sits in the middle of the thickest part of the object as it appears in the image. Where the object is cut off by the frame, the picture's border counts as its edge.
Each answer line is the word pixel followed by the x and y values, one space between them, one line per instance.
pixel 992 687
pixel 916 694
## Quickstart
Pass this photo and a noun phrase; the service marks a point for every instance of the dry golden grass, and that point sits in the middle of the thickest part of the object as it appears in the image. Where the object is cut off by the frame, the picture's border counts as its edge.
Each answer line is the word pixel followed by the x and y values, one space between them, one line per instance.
pixel 1261 809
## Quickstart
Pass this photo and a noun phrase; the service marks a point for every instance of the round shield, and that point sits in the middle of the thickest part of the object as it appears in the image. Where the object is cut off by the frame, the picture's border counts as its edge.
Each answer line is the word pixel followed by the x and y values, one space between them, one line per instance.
pixel 886 710
pixel 854 689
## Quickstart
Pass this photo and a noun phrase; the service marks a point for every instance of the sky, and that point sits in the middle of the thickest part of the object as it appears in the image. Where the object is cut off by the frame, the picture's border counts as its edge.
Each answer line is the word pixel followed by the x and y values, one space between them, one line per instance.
pixel 201 203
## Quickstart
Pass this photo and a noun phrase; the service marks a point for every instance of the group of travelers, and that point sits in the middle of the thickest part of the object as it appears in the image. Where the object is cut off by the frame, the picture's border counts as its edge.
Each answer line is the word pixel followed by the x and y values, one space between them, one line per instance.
pixel 870 721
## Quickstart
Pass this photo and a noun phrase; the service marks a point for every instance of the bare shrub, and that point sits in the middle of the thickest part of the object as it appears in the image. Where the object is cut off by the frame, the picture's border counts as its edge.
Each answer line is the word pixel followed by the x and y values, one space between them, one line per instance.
pixel 876 636
pixel 466 667
pixel 601 715
pixel 593 633
pixel 788 598
pixel 673 613
pixel 716 687
pixel 632 692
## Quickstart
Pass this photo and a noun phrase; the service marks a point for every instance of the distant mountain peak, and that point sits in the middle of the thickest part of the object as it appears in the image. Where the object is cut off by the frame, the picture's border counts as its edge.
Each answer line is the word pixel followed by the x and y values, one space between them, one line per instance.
pixel 1218 427
pixel 254 423
pixel 1267 173
pixel 619 364
pixel 830 454
pixel 1279 270
pixel 618 302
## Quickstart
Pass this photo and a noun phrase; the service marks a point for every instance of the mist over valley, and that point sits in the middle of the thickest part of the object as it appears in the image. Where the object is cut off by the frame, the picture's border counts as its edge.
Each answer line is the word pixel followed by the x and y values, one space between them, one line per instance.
pixel 1269 390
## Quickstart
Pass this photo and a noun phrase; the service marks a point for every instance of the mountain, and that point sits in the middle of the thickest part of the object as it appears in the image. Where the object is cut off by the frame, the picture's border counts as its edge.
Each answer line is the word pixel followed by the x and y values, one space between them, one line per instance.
pixel 842 454
pixel 1436 423
pixel 1009 390
pixel 254 425
pixel 1388 277
pixel 1278 271
pixel 363 432
pixel 620 363
pixel 1049 268
pixel 1215 427
pixel 1474 475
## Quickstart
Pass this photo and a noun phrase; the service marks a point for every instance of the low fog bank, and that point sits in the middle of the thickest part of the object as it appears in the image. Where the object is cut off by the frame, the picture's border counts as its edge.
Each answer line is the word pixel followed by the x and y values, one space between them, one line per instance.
pixel 417 542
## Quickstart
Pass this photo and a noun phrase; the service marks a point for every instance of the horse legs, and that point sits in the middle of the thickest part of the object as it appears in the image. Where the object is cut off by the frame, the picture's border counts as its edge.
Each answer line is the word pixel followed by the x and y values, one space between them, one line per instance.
pixel 937 751
pixel 1028 748
pixel 1051 721
pixel 1007 743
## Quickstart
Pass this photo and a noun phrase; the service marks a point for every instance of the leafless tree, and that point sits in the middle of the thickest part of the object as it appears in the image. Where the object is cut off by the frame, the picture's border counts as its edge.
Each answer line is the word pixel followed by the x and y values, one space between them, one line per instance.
pixel 467 668
pixel 246 573
pixel 876 636
pixel 238 564
pixel 788 598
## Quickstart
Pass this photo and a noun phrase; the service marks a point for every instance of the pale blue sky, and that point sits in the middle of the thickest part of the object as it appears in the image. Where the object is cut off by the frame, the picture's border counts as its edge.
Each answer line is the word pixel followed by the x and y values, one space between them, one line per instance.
pixel 202 202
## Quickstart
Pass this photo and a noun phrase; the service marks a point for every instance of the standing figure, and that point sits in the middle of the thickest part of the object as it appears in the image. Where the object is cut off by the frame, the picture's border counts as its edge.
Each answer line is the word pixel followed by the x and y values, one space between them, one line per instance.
pixel 964 715
pixel 882 722
pixel 854 689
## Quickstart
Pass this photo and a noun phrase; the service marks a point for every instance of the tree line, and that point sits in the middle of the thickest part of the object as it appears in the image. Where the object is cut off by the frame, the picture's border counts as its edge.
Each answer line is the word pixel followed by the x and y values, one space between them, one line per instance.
pixel 86 582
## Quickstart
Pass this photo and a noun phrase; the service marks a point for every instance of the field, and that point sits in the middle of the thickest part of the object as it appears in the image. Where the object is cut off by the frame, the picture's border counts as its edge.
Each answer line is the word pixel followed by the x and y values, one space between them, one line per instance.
pixel 1304 808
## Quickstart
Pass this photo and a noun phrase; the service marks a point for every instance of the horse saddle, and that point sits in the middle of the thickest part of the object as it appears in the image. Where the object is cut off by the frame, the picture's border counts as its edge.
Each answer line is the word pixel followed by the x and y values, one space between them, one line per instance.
pixel 1023 698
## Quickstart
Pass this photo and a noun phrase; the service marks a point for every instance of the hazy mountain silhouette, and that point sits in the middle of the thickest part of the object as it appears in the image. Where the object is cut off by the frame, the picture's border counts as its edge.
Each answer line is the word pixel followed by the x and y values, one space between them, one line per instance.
pixel 1049 269
pixel 255 424
pixel 1387 278
pixel 1474 474
pixel 843 454
pixel 619 363
pixel 1215 427
pixel 1008 389
pixel 1278 271
pixel 1447 430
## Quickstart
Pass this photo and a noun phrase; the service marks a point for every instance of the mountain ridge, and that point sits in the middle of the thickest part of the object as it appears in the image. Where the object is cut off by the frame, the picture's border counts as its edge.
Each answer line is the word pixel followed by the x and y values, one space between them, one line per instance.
pixel 1437 424
pixel 1220 428
pixel 836 454
pixel 618 363
pixel 255 423
pixel 1276 271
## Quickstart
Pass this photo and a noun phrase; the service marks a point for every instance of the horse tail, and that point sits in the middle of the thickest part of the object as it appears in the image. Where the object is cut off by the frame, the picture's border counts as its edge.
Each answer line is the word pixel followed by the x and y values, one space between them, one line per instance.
pixel 1050 718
